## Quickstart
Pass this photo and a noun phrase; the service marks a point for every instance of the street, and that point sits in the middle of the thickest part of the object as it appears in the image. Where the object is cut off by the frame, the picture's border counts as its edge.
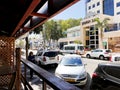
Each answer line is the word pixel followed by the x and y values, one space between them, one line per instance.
pixel 90 66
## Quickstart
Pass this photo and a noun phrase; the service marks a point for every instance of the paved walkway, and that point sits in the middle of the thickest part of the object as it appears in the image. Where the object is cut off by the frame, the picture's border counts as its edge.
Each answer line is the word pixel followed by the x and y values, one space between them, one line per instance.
pixel 35 82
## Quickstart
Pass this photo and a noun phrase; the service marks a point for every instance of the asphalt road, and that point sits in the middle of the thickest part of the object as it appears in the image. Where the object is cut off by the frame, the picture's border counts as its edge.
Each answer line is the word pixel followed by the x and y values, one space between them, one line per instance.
pixel 90 65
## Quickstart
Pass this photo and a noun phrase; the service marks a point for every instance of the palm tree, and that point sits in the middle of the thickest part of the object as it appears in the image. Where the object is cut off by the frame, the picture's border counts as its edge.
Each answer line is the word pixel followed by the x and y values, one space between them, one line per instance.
pixel 101 25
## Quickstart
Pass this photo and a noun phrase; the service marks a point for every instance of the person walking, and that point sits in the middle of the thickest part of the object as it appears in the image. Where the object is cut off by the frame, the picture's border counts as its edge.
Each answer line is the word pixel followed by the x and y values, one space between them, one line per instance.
pixel 31 58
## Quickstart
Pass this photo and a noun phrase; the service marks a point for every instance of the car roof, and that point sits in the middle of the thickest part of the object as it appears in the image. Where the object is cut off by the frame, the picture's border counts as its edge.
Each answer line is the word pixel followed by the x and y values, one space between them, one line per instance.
pixel 48 50
pixel 116 64
pixel 72 55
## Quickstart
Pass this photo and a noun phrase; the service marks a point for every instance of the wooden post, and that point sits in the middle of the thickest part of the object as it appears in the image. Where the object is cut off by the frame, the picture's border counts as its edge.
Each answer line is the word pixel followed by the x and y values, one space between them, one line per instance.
pixel 26 48
pixel 44 86
pixel 18 68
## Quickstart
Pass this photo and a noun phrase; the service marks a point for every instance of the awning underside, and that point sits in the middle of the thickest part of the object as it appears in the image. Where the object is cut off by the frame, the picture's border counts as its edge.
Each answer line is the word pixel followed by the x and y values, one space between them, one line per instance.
pixel 20 16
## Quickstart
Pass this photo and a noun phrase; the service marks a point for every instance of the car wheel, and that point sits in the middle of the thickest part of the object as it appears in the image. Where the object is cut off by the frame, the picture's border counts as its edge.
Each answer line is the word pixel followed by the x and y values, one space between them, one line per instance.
pixel 88 56
pixel 101 57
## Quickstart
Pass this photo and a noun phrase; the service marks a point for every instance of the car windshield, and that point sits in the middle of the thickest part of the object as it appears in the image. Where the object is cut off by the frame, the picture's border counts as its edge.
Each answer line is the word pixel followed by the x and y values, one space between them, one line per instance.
pixel 51 54
pixel 71 61
pixel 80 47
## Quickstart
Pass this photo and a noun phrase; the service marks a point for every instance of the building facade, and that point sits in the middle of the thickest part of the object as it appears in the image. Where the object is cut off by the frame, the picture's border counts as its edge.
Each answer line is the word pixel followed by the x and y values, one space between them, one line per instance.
pixel 73 35
pixel 100 9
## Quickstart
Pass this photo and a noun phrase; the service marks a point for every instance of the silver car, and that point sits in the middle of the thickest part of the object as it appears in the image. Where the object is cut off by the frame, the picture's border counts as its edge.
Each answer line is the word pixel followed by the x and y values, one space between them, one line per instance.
pixel 72 69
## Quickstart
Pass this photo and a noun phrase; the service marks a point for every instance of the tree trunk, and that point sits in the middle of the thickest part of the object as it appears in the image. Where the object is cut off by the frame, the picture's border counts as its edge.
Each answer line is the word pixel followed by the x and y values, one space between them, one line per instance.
pixel 101 39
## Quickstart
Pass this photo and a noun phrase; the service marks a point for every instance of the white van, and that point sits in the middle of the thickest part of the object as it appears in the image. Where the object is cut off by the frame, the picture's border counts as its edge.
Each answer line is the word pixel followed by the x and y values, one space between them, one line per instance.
pixel 73 48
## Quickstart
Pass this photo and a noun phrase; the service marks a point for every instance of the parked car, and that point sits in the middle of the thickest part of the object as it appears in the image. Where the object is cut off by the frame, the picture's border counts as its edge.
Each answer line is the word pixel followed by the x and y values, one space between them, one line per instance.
pixel 74 49
pixel 72 69
pixel 106 77
pixel 99 53
pixel 115 57
pixel 46 57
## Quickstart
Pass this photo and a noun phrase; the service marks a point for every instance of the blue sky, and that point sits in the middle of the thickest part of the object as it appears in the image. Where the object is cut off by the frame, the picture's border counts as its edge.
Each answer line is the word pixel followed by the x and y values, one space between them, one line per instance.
pixel 75 11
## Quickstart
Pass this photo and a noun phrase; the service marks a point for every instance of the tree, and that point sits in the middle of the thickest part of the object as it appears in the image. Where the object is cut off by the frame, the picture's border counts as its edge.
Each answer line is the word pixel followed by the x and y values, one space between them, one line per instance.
pixel 37 30
pixel 65 24
pixel 52 30
pixel 101 25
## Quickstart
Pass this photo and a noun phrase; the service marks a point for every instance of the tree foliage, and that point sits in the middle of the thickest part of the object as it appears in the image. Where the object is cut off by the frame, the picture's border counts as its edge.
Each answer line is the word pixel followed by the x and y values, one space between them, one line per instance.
pixel 37 30
pixel 101 25
pixel 65 24
pixel 55 29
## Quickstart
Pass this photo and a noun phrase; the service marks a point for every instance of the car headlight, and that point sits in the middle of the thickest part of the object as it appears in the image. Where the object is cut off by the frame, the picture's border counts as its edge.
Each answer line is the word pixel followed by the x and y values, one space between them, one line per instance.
pixel 82 75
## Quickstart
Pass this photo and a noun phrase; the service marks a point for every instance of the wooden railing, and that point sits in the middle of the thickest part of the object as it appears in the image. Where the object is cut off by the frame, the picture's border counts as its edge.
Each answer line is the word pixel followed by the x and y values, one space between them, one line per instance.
pixel 47 78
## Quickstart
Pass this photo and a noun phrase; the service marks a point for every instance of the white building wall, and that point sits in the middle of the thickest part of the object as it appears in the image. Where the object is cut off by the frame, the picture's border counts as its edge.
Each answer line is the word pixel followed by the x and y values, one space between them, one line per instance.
pixel 96 8
pixel 73 32
pixel 116 9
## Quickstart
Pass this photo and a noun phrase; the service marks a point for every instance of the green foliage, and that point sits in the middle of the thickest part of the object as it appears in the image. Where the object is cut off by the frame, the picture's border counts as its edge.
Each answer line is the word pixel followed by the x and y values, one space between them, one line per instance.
pixel 77 42
pixel 55 29
pixel 65 24
pixel 52 30
pixel 101 25
pixel 37 30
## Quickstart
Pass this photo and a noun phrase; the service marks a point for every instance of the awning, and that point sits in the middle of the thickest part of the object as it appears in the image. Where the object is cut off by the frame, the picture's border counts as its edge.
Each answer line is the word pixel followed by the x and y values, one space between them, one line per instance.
pixel 20 16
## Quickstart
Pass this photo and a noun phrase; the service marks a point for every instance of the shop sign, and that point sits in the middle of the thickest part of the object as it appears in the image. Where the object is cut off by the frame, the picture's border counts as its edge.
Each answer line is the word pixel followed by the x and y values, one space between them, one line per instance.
pixel 88 21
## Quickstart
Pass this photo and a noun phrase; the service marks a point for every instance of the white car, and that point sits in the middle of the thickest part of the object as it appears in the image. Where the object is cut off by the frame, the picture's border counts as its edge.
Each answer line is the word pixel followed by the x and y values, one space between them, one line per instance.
pixel 46 57
pixel 99 53
pixel 115 57
pixel 72 69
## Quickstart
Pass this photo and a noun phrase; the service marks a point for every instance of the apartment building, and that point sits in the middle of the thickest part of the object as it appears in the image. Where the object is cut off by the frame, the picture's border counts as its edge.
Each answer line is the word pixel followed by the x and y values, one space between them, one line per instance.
pixel 111 9
pixel 100 9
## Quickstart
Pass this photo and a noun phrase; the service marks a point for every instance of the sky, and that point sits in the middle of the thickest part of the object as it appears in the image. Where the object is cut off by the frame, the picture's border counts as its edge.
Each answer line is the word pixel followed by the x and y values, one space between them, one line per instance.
pixel 75 11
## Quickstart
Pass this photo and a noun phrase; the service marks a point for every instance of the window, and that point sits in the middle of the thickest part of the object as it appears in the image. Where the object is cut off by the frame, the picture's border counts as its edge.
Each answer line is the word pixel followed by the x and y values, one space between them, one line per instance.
pixel 92 37
pixel 80 48
pixel 87 33
pixel 70 48
pixel 97 42
pixel 88 1
pixel 118 13
pixel 98 3
pixel 96 37
pixel 108 7
pixel 115 26
pixel 93 5
pixel 92 28
pixel 89 7
pixel 92 42
pixel 50 54
pixel 118 4
pixel 113 71
pixel 87 42
pixel 98 11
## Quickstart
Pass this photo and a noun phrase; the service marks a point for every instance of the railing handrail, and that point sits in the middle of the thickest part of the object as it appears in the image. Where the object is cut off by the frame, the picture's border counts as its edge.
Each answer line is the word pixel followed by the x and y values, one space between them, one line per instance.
pixel 53 81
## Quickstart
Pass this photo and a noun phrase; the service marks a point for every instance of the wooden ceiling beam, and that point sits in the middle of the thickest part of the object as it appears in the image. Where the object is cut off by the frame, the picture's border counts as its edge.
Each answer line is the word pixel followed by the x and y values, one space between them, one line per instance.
pixel 39 15
pixel 26 28
pixel 28 12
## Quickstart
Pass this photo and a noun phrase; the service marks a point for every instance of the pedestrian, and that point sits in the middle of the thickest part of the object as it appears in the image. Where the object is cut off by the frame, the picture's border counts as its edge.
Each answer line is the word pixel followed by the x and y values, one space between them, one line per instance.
pixel 31 58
